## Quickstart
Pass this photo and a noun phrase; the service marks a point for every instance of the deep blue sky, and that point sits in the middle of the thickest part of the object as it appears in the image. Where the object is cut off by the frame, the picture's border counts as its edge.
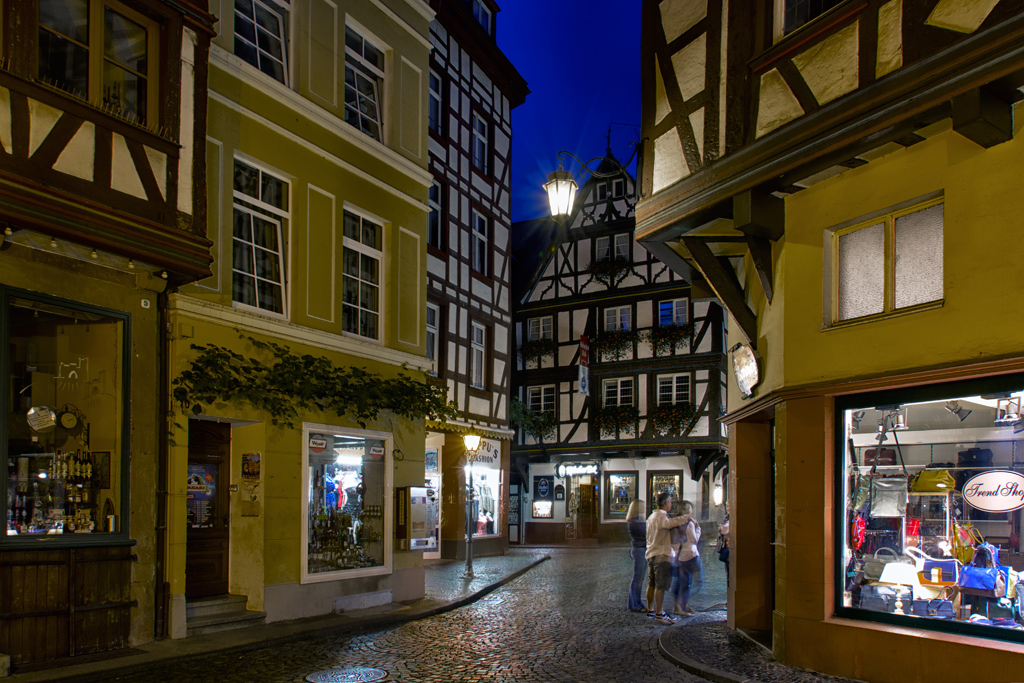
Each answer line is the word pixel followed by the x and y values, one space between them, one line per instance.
pixel 581 61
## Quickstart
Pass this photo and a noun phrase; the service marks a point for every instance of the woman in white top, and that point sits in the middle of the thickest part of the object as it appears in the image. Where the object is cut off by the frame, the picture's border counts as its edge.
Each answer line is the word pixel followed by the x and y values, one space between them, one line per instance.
pixel 689 571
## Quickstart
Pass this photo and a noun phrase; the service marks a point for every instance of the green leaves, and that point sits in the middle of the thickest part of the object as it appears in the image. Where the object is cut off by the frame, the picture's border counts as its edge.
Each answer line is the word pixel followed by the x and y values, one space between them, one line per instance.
pixel 672 419
pixel 289 383
pixel 613 420
pixel 536 424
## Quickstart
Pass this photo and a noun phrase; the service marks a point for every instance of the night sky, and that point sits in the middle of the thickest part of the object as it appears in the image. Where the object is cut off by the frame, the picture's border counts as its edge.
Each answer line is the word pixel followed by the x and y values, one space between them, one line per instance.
pixel 581 61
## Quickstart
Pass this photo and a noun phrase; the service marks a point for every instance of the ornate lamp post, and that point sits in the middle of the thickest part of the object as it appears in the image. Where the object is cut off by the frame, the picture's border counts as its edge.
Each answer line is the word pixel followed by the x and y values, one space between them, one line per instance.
pixel 472 442
pixel 561 185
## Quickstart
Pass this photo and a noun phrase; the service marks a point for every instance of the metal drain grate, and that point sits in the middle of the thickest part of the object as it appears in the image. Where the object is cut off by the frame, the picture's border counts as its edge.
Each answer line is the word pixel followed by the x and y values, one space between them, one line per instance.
pixel 354 674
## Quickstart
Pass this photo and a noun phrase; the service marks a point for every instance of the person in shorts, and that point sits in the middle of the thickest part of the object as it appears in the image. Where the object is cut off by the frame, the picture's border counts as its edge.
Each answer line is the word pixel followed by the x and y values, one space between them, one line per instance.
pixel 659 553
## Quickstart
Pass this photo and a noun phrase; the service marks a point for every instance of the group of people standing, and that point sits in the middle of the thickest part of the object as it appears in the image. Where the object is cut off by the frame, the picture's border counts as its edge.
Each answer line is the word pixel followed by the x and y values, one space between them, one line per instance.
pixel 667 548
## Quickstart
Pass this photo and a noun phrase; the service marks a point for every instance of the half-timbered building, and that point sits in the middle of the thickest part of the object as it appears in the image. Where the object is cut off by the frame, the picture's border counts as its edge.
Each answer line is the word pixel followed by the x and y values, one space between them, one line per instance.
pixel 102 211
pixel 619 383
pixel 845 176
pixel 472 90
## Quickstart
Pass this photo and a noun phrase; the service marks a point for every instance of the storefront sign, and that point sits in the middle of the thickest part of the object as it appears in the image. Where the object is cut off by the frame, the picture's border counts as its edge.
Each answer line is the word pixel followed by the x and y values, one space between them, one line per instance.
pixel 571 469
pixel 995 491
pixel 489 453
pixel 745 368
pixel 542 488
pixel 584 368
pixel 317 443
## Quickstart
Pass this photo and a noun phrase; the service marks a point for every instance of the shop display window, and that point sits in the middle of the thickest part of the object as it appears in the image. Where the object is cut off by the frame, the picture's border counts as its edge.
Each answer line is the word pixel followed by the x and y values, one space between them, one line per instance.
pixel 486 498
pixel 932 490
pixel 670 482
pixel 621 490
pixel 65 444
pixel 347 484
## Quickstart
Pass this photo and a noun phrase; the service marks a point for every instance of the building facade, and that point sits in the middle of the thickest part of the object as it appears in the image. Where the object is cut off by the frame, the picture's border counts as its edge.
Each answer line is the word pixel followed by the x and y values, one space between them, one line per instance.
pixel 619 382
pixel 284 475
pixel 472 90
pixel 844 178
pixel 102 211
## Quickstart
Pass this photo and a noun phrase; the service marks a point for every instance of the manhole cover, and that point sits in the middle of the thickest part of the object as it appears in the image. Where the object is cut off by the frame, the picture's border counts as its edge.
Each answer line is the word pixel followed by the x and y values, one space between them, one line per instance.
pixel 355 674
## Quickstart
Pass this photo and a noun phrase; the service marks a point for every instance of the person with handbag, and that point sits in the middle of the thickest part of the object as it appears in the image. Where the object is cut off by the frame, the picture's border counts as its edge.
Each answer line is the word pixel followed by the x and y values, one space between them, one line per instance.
pixel 638 545
pixel 723 546
pixel 690 571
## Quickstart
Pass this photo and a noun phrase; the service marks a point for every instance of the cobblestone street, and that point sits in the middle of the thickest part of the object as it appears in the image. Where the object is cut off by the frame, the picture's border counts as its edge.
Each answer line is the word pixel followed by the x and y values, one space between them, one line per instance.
pixel 564 620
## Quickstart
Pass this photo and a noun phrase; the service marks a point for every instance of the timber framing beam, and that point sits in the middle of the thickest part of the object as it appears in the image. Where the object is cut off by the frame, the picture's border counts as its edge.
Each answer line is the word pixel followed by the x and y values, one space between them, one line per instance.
pixel 983 117
pixel 700 459
pixel 726 286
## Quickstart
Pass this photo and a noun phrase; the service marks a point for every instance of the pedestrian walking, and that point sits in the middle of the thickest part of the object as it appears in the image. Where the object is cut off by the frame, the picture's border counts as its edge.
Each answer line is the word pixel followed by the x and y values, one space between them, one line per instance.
pixel 659 553
pixel 637 550
pixel 690 570
pixel 723 546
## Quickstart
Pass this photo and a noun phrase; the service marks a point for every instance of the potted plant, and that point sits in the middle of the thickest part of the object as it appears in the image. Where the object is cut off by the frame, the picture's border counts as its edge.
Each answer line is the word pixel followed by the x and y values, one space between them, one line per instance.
pixel 539 425
pixel 609 271
pixel 615 420
pixel 667 338
pixel 616 343
pixel 672 419
pixel 537 349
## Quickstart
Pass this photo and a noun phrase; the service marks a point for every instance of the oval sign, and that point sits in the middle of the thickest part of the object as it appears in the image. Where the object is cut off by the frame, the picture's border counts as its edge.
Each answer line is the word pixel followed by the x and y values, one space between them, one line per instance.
pixel 995 491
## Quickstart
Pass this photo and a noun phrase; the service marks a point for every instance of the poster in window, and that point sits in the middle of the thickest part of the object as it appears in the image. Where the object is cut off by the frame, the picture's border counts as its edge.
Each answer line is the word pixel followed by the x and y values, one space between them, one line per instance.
pixel 201 495
pixel 250 466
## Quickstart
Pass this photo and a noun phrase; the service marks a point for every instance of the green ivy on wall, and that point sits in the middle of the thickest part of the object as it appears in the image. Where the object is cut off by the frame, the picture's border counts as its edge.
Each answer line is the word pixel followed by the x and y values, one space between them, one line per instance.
pixel 290 382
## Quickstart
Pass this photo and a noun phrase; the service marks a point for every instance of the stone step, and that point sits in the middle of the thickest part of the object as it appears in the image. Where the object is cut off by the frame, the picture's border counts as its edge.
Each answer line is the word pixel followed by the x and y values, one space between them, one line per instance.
pixel 212 605
pixel 225 621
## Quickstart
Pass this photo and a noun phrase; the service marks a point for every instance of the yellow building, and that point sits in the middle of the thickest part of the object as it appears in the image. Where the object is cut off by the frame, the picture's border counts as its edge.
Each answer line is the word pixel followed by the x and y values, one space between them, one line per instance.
pixel 845 181
pixel 317 167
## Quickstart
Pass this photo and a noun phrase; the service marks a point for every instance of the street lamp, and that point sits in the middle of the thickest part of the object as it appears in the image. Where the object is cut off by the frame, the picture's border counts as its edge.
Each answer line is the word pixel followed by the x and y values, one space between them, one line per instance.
pixel 472 443
pixel 561 186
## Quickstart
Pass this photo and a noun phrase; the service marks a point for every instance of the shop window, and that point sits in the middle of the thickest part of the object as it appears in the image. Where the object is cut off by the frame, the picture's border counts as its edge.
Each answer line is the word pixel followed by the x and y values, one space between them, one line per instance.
pixel 102 52
pixel 618 318
pixel 434 110
pixel 477 355
pixel 620 490
pixel 923 475
pixel 481 143
pixel 260 209
pixel 362 257
pixel 539 328
pixel 364 84
pixel 890 263
pixel 433 336
pixel 66 448
pixel 347 500
pixel 436 219
pixel 664 482
pixel 481 241
pixel 606 248
pixel 484 517
pixel 261 37
pixel 792 14
pixel 673 312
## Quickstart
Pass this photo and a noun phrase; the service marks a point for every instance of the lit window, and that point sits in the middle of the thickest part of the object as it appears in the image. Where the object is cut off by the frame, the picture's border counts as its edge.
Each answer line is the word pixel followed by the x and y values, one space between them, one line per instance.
pixel 434 107
pixel 260 37
pixel 796 13
pixel 617 318
pixel 617 392
pixel 480 242
pixel 539 328
pixel 478 352
pixel 435 224
pixel 673 312
pixel 891 263
pixel 364 79
pixel 541 399
pixel 260 208
pixel 673 389
pixel 101 52
pixel 604 245
pixel 361 271
pixel 433 323
pixel 480 143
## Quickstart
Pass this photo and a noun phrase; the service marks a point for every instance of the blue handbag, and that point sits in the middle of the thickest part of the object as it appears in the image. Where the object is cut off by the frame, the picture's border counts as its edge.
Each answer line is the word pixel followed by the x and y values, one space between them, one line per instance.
pixel 984 576
pixel 936 609
pixel 949 567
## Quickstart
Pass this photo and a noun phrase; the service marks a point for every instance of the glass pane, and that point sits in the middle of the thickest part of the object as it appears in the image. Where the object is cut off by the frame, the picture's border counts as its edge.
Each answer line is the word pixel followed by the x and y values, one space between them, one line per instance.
pixel 861 273
pixel 274 191
pixel 347 505
pixel 369 269
pixel 622 490
pixel 242 260
pixel 353 41
pixel 350 319
pixel 350 291
pixel 919 257
pixel 667 483
pixel 270 296
pixel 373 56
pixel 245 30
pixel 246 52
pixel 351 226
pixel 368 297
pixel 368 325
pixel 64 428
pixel 371 235
pixel 243 225
pixel 70 18
pixel 270 45
pixel 265 233
pixel 272 68
pixel 63 64
pixel 124 92
pixel 350 263
pixel 124 41
pixel 246 180
pixel 268 265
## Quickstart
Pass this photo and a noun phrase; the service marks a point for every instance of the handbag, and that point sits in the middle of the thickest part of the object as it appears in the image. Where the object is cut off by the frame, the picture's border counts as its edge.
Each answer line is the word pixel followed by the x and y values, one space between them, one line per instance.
pixel 936 609
pixel 883 598
pixel 965 537
pixel 949 567
pixel 874 564
pixel 929 481
pixel 984 576
pixel 889 497
pixel 879 456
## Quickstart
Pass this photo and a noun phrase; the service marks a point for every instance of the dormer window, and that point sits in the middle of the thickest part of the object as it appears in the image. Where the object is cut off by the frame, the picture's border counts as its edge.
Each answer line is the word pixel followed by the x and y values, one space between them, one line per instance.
pixel 482 14
pixel 601 191
pixel 618 188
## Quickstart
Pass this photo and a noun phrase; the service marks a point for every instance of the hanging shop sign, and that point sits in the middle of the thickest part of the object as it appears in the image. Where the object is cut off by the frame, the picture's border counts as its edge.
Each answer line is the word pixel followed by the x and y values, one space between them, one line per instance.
pixel 488 453
pixel 995 491
pixel 584 368
pixel 571 469
pixel 559 492
pixel 745 368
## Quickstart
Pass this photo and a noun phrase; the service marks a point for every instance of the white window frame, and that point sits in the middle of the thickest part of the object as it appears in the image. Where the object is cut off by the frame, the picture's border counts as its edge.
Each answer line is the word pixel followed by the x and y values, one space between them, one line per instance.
pixel 480 240
pixel 365 74
pixel 481 142
pixel 680 312
pixel 617 318
pixel 541 399
pixel 477 355
pixel 540 328
pixel 262 55
pixel 257 208
pixel 433 337
pixel 484 17
pixel 677 386
pixel 435 216
pixel 364 251
pixel 614 389
pixel 435 110
pixel 603 247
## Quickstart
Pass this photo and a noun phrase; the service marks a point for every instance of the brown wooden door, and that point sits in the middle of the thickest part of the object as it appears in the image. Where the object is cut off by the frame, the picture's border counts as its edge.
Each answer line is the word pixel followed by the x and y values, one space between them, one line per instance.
pixel 587 518
pixel 206 558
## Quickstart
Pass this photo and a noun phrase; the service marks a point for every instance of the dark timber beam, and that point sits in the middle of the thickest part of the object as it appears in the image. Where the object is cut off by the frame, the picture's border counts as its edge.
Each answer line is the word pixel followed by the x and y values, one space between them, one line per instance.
pixel 983 117
pixel 761 255
pixel 727 288
pixel 700 459
pixel 762 218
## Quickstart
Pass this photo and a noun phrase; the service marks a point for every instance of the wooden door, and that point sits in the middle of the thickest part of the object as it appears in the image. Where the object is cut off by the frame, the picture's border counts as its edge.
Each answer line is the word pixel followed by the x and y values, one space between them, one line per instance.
pixel 206 558
pixel 587 518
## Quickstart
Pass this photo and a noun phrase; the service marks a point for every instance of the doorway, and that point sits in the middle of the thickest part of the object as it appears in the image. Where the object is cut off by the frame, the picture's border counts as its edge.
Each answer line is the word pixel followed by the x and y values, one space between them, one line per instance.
pixel 208 522
pixel 588 509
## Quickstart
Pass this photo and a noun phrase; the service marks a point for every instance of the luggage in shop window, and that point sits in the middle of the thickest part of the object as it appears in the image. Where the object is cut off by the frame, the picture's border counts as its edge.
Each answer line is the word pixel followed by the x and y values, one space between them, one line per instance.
pixel 883 598
pixel 984 576
pixel 879 456
pixel 934 609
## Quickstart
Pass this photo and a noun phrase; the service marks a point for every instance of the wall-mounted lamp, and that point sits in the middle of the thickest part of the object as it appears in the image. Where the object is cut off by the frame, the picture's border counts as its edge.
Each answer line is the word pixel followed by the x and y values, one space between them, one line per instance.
pixel 958 410
pixel 717 494
pixel 561 185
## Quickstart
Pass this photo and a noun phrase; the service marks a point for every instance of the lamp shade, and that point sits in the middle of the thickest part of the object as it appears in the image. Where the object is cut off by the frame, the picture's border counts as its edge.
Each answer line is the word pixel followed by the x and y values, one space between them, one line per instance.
pixel 561 189
pixel 900 573
pixel 472 441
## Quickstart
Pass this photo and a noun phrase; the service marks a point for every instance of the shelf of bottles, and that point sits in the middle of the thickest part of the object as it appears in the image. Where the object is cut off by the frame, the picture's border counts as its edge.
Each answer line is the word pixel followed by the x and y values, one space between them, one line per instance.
pixel 53 493
pixel 342 537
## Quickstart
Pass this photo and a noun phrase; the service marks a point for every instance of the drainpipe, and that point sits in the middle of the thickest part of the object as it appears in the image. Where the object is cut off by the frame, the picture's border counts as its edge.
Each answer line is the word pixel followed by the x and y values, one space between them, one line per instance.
pixel 162 594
